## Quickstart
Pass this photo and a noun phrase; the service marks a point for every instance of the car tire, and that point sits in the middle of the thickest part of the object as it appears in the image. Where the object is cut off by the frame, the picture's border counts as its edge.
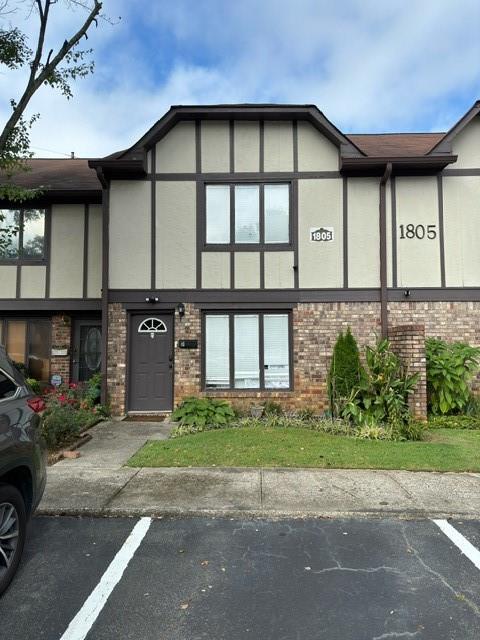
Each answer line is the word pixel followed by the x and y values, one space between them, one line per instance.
pixel 12 548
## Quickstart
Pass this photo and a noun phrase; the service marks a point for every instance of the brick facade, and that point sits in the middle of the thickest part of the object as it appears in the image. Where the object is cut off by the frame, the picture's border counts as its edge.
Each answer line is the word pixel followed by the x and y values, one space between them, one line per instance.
pixel 315 329
pixel 61 338
pixel 408 342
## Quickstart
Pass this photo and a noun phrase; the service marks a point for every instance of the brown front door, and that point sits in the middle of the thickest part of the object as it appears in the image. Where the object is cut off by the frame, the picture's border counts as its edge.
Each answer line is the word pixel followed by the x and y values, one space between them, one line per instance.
pixel 151 363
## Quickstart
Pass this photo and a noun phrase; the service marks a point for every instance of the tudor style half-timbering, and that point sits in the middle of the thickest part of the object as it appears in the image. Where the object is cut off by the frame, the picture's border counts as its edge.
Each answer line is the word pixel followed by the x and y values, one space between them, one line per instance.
pixel 244 238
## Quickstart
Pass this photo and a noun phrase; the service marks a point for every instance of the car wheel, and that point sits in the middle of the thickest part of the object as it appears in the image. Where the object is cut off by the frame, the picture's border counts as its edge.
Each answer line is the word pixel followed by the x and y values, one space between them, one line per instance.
pixel 13 523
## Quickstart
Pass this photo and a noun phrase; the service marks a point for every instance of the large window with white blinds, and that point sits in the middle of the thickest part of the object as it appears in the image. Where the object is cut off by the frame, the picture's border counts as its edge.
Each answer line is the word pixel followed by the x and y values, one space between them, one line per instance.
pixel 247 350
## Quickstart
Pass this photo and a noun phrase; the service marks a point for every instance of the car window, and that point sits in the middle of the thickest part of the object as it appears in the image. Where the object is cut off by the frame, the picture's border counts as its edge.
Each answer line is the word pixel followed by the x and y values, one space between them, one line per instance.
pixel 7 387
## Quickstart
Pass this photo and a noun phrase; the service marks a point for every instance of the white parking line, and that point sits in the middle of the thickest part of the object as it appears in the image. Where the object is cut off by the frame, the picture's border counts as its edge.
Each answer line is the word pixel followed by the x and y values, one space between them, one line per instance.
pixel 466 547
pixel 83 621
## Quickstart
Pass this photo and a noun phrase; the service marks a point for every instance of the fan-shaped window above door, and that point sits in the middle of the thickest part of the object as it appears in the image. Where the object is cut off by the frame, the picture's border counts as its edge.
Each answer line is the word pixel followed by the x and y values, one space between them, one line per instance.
pixel 152 325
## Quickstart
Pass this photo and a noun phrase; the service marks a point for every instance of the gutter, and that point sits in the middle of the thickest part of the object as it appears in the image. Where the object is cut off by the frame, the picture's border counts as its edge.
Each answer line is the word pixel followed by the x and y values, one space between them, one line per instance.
pixel 383 250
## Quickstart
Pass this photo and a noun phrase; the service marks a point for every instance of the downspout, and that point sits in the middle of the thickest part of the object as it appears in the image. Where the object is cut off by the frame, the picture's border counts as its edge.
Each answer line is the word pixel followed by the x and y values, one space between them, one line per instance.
pixel 383 250
pixel 105 249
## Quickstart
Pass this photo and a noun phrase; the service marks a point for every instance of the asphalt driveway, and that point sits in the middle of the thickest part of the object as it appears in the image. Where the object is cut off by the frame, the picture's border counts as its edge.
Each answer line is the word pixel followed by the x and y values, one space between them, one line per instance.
pixel 356 579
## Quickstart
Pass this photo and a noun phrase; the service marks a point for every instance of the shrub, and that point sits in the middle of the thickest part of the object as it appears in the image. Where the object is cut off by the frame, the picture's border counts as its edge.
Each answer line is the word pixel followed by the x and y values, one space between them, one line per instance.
pixel 346 371
pixel 373 432
pixel 411 430
pixel 450 367
pixel 271 408
pixel 34 385
pixel 382 394
pixel 454 422
pixel 93 389
pixel 203 411
pixel 63 423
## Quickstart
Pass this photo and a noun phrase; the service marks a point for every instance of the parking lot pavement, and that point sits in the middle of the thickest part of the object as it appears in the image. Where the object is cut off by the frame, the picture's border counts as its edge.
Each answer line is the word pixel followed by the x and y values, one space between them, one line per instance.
pixel 356 579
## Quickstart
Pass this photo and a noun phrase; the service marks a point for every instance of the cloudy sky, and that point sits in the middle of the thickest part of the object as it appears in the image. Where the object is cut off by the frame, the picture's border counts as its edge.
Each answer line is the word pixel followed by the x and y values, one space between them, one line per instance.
pixel 369 65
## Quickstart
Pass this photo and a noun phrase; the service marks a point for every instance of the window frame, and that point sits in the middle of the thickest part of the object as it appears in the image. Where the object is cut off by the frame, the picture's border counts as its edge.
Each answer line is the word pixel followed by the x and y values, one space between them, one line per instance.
pixel 4 320
pixel 248 246
pixel 231 313
pixel 21 260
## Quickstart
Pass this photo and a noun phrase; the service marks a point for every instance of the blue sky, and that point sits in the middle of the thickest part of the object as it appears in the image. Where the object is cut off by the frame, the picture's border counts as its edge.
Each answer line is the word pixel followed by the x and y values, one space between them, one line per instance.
pixel 370 66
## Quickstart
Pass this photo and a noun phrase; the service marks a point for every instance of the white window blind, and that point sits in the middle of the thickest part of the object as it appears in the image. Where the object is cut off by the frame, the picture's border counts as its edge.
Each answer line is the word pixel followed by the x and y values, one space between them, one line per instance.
pixel 218 213
pixel 217 343
pixel 276 213
pixel 247 213
pixel 276 360
pixel 247 366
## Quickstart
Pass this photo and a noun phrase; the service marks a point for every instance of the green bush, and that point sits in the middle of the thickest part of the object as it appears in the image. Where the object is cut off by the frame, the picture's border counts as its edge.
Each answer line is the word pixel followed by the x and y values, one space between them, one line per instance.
pixel 382 395
pixel 450 368
pixel 346 371
pixel 454 422
pixel 271 408
pixel 62 424
pixel 200 412
pixel 34 385
pixel 93 389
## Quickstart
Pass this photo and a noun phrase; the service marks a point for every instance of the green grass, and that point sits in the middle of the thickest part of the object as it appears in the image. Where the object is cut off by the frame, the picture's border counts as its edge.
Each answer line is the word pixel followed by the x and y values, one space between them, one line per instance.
pixel 443 450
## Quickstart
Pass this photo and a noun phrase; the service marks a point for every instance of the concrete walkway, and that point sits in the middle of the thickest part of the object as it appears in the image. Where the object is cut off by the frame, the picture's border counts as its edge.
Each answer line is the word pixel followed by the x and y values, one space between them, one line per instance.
pixel 97 483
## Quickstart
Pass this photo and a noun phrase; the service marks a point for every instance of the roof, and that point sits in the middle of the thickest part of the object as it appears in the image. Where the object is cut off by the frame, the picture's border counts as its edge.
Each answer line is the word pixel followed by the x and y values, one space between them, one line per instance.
pixel 395 144
pixel 58 174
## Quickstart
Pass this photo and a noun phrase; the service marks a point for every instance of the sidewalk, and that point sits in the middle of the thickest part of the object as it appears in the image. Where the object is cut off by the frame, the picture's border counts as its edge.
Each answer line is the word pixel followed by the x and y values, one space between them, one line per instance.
pixel 98 484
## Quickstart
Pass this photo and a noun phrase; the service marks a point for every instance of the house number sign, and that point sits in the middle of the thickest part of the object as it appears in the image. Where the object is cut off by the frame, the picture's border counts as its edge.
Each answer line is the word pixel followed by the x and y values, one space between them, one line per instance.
pixel 418 231
pixel 322 234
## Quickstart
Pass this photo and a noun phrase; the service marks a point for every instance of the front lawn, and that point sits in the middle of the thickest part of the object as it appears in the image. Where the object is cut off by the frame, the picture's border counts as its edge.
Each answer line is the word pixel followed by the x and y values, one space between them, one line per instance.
pixel 442 450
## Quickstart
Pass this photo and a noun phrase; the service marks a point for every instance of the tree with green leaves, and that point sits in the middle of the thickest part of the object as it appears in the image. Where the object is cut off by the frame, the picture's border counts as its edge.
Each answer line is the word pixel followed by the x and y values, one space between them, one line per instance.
pixel 42 66
pixel 345 370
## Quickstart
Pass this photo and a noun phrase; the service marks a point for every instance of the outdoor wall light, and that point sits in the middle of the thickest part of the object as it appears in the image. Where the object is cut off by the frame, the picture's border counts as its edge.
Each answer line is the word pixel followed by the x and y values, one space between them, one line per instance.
pixel 181 309
pixel 151 299
pixel 406 293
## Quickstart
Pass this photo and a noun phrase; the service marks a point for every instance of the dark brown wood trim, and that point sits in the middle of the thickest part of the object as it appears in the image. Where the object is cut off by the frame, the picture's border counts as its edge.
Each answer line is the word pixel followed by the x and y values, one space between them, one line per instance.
pixel 262 269
pixel 18 284
pixel 231 135
pixel 265 176
pixel 345 233
pixel 248 306
pixel 461 172
pixel 383 250
pixel 448 294
pixel 261 162
pixel 105 280
pixel 52 304
pixel 153 228
pixel 173 296
pixel 232 270
pixel 393 193
pixel 295 145
pixel 198 147
pixel 441 230
pixel 85 249
pixel 248 247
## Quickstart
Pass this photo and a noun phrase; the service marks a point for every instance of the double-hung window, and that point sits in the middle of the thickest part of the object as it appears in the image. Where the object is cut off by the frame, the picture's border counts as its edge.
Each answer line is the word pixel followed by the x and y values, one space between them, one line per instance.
pixel 247 214
pixel 247 350
pixel 22 235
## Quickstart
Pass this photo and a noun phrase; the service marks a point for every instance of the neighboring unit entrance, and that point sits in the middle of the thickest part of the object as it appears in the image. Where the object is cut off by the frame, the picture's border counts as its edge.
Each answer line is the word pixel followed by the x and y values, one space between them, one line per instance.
pixel 151 363
pixel 87 349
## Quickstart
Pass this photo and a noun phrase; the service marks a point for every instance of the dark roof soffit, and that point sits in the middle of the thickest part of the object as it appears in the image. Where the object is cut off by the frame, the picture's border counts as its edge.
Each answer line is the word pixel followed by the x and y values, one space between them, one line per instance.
pixel 401 165
pixel 445 144
pixel 244 112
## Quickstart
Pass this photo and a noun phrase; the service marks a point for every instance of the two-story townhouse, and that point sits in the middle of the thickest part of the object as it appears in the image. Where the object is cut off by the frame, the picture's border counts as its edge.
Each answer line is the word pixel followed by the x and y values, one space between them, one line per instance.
pixel 223 252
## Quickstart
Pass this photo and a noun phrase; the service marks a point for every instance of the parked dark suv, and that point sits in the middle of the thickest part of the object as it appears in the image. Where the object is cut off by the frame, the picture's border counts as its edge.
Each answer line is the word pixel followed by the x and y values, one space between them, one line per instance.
pixel 22 464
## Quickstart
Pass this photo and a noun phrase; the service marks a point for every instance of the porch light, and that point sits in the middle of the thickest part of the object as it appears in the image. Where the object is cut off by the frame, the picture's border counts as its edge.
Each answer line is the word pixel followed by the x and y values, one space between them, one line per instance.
pixel 181 309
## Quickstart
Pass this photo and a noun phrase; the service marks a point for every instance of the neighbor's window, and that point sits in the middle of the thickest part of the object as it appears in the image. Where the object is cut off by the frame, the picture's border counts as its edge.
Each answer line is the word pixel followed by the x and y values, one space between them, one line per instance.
pixel 23 234
pixel 27 343
pixel 247 351
pixel 247 213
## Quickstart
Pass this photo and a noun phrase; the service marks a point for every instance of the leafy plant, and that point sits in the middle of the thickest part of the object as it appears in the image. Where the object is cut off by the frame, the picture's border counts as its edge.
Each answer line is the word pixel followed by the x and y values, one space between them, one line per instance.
pixel 200 412
pixel 373 432
pixel 34 385
pixel 93 389
pixel 450 368
pixel 454 422
pixel 346 371
pixel 271 408
pixel 382 394
pixel 61 424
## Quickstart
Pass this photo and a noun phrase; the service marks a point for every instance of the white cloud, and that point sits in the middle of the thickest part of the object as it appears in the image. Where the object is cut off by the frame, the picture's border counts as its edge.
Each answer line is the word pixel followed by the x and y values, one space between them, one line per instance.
pixel 368 65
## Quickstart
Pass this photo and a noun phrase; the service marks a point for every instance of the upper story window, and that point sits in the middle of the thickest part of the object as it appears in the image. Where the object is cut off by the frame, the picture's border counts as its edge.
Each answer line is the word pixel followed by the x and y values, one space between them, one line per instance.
pixel 256 214
pixel 23 234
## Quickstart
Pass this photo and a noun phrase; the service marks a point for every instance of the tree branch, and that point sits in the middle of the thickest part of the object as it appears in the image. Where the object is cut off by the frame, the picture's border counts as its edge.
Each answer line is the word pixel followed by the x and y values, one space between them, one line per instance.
pixel 35 81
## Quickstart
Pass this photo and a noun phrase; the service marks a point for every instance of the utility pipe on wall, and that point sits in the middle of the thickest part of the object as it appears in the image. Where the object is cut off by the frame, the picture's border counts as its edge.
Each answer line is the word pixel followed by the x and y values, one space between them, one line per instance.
pixel 383 250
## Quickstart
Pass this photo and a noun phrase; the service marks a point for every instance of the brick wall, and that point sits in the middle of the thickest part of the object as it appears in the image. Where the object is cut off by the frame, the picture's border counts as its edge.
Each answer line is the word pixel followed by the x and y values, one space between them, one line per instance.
pixel 408 342
pixel 116 362
pixel 61 338
pixel 315 329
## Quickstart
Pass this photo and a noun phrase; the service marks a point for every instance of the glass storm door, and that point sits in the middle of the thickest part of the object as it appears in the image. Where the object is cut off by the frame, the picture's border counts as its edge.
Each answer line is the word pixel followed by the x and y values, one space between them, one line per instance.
pixel 87 358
